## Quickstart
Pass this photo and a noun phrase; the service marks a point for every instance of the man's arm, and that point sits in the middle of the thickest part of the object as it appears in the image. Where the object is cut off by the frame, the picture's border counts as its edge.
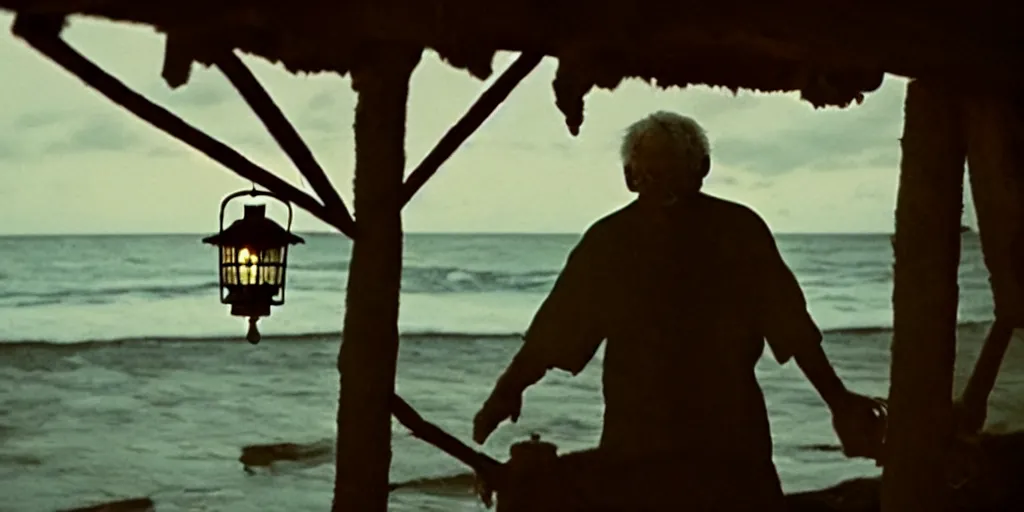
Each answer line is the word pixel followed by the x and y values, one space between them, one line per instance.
pixel 816 366
pixel 859 421
pixel 567 329
pixel 565 333
pixel 787 325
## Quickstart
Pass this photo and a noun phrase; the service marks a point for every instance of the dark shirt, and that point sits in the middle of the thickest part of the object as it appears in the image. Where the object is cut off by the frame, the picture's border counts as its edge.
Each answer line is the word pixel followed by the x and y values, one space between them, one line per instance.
pixel 685 297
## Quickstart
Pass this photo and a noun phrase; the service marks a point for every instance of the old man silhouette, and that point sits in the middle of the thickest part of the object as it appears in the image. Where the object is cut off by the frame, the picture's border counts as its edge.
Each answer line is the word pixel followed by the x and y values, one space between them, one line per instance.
pixel 686 288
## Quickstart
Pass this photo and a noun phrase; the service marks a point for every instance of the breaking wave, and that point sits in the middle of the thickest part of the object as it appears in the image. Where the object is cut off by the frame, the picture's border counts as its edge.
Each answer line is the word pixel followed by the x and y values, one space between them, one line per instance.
pixel 334 336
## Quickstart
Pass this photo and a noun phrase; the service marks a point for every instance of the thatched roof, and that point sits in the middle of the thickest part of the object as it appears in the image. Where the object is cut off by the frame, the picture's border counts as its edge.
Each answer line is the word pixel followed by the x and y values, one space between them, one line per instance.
pixel 832 51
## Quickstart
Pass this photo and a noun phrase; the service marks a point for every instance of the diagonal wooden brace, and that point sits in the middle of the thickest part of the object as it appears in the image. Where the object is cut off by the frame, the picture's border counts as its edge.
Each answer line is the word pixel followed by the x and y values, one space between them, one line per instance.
pixel 469 123
pixel 39 32
pixel 284 133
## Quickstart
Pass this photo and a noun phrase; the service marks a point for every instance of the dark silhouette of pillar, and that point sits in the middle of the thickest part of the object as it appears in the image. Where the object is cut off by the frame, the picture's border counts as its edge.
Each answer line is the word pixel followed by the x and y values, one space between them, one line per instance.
pixel 369 350
pixel 925 299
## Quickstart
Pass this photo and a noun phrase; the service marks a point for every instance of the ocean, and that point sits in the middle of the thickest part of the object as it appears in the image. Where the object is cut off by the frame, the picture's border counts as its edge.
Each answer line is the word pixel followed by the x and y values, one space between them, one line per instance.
pixel 122 375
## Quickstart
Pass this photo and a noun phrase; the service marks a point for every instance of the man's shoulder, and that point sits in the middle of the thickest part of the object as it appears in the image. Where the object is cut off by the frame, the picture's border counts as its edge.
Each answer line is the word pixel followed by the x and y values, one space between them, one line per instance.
pixel 730 214
pixel 722 213
pixel 611 223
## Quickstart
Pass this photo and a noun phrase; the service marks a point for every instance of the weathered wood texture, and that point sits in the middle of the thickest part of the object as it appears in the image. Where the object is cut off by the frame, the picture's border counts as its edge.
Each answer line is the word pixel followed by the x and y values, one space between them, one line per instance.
pixel 925 298
pixel 832 52
pixel 995 136
pixel 912 37
pixel 369 351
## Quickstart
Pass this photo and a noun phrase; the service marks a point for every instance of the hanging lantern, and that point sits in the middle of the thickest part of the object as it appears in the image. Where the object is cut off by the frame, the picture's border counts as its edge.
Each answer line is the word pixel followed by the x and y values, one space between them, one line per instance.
pixel 253 260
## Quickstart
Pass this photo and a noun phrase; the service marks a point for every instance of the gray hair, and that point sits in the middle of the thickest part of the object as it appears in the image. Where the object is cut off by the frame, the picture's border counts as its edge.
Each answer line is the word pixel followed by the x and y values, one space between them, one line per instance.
pixel 665 138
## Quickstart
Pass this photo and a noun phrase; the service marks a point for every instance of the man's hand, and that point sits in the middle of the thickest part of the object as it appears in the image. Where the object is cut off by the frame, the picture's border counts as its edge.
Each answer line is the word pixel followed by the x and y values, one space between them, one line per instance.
pixel 860 423
pixel 496 409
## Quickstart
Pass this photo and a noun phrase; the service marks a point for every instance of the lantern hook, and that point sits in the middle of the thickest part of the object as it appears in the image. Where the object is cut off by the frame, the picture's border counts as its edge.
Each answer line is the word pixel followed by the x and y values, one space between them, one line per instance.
pixel 255 193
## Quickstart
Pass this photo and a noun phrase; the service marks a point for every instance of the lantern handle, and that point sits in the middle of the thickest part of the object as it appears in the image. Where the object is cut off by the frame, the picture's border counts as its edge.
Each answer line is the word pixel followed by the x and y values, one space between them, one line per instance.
pixel 254 193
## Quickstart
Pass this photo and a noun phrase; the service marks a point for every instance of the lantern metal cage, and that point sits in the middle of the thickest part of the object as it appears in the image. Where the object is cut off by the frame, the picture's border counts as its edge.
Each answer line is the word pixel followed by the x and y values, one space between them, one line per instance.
pixel 253 258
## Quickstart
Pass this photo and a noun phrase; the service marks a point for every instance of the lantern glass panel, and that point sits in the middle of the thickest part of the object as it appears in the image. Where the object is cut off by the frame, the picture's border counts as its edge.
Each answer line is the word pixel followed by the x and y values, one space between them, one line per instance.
pixel 229 271
pixel 271 271
pixel 243 266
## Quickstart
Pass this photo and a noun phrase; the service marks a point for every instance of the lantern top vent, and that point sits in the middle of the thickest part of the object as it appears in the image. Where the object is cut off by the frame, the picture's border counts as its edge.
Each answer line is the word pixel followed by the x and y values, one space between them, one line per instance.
pixel 255 231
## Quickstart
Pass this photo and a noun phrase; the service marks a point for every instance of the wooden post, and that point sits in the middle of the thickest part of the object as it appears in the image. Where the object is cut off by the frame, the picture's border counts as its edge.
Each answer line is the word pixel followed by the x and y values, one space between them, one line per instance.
pixel 995 155
pixel 925 299
pixel 369 351
pixel 995 126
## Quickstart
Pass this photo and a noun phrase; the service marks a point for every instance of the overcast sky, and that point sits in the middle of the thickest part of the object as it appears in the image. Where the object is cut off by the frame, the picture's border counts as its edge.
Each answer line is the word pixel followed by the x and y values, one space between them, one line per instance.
pixel 72 162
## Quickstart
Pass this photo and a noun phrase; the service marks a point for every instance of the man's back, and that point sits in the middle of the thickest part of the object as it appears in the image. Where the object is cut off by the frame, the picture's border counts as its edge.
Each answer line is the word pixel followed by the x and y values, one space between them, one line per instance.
pixel 682 340
pixel 686 288
pixel 678 293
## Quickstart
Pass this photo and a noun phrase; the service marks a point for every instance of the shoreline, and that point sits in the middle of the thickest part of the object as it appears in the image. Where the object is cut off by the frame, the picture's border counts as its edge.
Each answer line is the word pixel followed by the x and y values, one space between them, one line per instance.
pixel 336 336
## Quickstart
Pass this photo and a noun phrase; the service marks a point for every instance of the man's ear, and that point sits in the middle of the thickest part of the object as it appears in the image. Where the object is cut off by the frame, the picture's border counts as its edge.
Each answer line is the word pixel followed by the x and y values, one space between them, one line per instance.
pixel 705 166
pixel 627 171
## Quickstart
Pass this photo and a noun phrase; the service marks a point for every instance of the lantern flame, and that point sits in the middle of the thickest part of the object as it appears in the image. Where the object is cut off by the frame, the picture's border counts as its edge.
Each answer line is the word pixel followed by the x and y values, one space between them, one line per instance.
pixel 248 274
pixel 246 257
